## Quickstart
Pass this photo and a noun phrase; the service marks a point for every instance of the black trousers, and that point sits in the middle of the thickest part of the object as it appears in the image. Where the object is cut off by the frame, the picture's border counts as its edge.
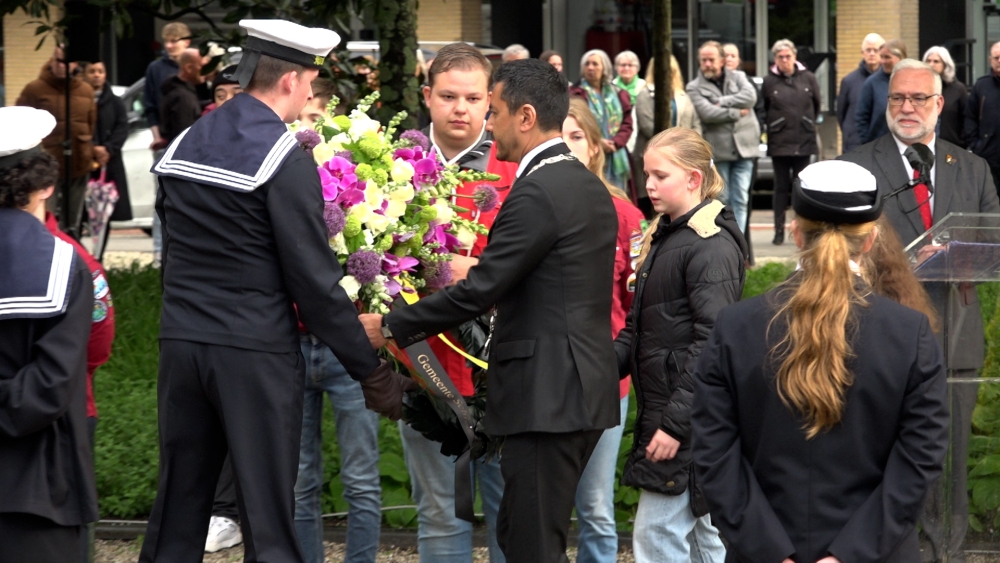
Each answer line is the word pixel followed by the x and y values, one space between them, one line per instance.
pixel 541 472
pixel 225 493
pixel 27 537
pixel 214 399
pixel 786 170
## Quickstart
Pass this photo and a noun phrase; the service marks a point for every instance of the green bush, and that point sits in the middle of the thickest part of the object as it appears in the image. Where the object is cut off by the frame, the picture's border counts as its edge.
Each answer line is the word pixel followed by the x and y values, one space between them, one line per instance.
pixel 125 388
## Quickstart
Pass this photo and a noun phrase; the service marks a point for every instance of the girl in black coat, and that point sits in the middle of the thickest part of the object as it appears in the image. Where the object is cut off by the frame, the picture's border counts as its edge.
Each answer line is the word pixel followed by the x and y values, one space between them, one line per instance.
pixel 110 136
pixel 691 266
pixel 819 415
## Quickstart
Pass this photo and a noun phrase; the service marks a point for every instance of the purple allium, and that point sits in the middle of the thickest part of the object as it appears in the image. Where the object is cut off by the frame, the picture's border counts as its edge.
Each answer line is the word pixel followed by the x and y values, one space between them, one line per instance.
pixel 364 265
pixel 485 197
pixel 334 217
pixel 437 274
pixel 346 155
pixel 416 138
pixel 309 139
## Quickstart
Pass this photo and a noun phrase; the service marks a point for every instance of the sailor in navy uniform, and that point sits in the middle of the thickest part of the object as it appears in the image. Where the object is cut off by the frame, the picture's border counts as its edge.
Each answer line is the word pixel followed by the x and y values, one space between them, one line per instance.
pixel 244 238
pixel 47 492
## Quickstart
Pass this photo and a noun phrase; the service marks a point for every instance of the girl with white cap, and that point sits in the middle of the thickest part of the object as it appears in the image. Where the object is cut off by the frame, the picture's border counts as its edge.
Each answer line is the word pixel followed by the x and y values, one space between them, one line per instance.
pixel 819 414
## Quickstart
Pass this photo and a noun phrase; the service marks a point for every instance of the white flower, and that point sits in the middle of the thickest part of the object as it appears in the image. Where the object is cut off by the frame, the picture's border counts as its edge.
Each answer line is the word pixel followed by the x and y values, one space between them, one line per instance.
pixel 373 194
pixel 351 286
pixel 362 211
pixel 403 191
pixel 361 125
pixel 395 209
pixel 377 224
pixel 444 211
pixel 338 244
pixel 466 237
pixel 402 171
pixel 322 153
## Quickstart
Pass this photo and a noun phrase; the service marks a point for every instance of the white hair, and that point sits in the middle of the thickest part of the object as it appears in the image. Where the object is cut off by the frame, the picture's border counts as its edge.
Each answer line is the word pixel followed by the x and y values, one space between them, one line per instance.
pixel 872 39
pixel 913 64
pixel 949 64
pixel 515 51
pixel 782 44
pixel 606 68
pixel 628 57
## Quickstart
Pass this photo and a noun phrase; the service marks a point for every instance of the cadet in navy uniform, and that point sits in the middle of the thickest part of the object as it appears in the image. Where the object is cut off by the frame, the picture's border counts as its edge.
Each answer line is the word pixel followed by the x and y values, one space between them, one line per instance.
pixel 47 493
pixel 820 417
pixel 244 238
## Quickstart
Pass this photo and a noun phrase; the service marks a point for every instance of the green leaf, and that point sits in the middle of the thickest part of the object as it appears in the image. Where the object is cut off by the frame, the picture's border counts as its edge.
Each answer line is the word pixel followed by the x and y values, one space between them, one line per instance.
pixel 989 465
pixel 986 494
pixel 392 466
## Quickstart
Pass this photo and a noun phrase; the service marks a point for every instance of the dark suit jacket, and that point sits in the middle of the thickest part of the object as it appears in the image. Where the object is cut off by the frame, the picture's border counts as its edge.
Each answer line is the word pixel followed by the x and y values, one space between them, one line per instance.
pixel 548 268
pixel 963 186
pixel 855 491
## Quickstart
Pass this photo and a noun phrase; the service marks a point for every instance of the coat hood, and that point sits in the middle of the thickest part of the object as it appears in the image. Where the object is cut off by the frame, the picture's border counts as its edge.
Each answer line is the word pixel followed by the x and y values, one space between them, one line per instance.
pixel 799 67
pixel 701 219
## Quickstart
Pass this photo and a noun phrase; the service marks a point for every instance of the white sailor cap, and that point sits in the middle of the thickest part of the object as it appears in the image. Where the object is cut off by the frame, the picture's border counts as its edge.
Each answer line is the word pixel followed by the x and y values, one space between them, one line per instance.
pixel 21 132
pixel 281 39
pixel 836 191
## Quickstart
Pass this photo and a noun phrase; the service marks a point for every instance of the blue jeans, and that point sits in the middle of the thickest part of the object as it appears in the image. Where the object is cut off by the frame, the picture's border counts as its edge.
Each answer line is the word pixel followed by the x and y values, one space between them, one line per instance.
pixel 737 175
pixel 357 437
pixel 441 537
pixel 595 498
pixel 666 530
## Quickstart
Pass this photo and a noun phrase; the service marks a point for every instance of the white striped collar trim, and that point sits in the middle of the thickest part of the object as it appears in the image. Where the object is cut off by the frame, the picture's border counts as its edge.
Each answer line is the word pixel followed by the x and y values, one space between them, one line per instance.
pixel 226 178
pixel 56 294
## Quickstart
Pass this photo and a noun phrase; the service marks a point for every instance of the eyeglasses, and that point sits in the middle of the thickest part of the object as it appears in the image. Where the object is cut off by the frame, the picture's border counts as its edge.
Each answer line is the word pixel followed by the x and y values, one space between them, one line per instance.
pixel 917 100
pixel 626 65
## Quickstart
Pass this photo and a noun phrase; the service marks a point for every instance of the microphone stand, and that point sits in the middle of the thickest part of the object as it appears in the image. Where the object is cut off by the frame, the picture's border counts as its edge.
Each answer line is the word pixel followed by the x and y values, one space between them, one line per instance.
pixel 923 179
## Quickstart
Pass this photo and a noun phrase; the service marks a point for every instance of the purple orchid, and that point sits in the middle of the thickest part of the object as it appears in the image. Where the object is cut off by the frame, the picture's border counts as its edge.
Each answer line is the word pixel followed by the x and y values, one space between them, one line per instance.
pixel 426 172
pixel 438 234
pixel 394 265
pixel 340 184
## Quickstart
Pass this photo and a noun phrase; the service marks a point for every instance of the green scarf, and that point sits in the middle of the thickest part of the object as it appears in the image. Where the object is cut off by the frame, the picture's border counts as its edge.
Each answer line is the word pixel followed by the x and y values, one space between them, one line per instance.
pixel 632 89
pixel 607 108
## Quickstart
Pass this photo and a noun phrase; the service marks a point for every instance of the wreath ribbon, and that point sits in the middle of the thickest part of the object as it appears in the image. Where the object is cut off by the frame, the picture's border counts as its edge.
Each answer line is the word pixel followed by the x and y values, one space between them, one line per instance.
pixel 411 297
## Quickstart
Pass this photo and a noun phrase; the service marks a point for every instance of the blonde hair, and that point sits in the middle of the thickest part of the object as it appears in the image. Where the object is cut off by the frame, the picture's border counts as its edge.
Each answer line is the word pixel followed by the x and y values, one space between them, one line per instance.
pixel 580 111
pixel 687 150
pixel 676 77
pixel 813 377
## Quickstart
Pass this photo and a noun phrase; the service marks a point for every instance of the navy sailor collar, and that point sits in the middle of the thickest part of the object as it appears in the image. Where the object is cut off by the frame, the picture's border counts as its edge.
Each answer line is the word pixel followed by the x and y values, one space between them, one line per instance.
pixel 38 268
pixel 238 147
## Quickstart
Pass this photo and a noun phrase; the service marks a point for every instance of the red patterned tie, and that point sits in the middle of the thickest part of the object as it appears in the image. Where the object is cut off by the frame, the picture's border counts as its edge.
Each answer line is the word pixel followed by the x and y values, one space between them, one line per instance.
pixel 924 199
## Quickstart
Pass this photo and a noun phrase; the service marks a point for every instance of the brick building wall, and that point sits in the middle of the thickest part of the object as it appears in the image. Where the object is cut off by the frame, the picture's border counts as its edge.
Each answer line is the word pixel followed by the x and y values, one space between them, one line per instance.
pixel 450 20
pixel 22 62
pixel 889 18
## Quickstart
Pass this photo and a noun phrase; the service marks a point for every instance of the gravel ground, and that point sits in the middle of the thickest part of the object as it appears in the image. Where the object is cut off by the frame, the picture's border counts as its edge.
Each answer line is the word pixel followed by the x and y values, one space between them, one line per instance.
pixel 121 551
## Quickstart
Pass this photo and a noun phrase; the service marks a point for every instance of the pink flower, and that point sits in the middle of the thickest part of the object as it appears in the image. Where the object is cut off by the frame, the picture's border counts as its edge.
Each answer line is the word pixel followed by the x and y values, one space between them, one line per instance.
pixel 394 265
pixel 447 242
pixel 339 182
pixel 426 172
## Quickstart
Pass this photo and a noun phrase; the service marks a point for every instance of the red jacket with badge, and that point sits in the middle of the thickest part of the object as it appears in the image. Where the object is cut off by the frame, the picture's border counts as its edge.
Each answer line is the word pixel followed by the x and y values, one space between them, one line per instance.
pixel 452 362
pixel 102 331
pixel 631 224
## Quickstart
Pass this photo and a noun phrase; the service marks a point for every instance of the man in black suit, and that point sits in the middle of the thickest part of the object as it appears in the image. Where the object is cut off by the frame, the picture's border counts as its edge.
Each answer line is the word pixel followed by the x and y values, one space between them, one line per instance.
pixel 547 270
pixel 961 183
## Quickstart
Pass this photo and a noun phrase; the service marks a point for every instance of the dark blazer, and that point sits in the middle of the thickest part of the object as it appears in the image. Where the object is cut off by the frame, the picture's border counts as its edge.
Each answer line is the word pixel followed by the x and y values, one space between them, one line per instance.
pixel 964 185
pixel 548 269
pixel 855 491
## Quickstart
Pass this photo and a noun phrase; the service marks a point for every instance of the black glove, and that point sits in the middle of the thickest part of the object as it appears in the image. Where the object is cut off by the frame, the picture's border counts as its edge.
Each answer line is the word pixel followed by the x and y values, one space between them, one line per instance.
pixel 383 390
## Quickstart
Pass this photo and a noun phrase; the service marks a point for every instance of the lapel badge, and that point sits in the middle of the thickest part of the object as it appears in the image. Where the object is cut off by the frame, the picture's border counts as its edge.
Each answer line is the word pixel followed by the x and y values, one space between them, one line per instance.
pixel 949 159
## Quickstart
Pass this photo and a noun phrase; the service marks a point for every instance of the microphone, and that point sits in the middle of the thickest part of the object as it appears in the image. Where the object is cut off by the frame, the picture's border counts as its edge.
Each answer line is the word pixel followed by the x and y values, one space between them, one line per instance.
pixel 921 159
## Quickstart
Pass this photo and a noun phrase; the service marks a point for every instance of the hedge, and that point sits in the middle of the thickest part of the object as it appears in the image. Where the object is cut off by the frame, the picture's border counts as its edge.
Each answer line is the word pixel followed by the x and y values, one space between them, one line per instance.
pixel 127 451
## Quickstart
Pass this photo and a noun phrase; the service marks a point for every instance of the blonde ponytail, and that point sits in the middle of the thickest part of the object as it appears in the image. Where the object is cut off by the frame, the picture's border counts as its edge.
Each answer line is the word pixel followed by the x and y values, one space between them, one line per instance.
pixel 813 377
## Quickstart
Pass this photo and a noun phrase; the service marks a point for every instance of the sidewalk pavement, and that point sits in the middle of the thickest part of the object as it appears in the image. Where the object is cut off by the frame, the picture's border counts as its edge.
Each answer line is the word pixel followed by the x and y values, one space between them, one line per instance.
pixel 127 246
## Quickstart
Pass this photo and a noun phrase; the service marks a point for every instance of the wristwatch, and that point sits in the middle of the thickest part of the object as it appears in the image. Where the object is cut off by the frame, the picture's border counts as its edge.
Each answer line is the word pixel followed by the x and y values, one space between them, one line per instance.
pixel 386 333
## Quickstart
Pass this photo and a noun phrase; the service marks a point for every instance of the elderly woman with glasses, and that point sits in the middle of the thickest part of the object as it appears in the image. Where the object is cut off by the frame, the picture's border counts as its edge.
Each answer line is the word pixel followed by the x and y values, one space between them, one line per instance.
pixel 612 106
pixel 791 103
pixel 955 95
pixel 627 66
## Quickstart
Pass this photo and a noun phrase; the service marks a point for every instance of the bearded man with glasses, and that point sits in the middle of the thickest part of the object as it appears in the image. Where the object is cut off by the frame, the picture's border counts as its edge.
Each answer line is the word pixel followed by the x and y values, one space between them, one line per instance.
pixel 961 182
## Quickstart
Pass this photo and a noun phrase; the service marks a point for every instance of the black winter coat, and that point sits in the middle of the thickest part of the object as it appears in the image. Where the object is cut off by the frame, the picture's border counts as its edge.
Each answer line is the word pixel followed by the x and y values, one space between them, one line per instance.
pixel 111 133
pixel 685 280
pixel 792 104
pixel 982 119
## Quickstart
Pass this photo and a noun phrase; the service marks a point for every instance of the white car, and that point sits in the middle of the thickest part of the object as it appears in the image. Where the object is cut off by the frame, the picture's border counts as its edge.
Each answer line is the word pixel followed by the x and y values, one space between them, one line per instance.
pixel 138 159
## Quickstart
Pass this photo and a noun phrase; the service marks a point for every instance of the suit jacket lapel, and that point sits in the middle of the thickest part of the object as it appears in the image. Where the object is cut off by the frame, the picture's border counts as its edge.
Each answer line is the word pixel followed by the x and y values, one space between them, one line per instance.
pixel 945 182
pixel 891 164
pixel 559 148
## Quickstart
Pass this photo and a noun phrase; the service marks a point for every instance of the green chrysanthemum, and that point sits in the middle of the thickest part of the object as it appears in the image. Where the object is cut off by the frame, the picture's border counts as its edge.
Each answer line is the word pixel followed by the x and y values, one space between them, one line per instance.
pixel 370 147
pixel 364 172
pixel 352 227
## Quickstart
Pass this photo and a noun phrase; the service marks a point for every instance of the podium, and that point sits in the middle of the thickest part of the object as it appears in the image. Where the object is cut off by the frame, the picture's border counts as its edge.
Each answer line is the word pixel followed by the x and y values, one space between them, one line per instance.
pixel 962 510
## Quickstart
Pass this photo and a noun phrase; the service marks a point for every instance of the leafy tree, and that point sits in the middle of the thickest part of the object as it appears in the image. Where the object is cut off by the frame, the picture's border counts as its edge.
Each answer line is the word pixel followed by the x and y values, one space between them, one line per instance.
pixel 395 20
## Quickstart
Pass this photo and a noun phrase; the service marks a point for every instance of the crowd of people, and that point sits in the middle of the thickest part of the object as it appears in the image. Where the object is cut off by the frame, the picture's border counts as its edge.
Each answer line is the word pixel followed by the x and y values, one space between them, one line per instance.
pixel 806 425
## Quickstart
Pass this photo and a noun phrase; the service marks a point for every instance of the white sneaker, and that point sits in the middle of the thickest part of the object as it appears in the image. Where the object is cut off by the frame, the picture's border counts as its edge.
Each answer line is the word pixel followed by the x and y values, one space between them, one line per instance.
pixel 223 533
